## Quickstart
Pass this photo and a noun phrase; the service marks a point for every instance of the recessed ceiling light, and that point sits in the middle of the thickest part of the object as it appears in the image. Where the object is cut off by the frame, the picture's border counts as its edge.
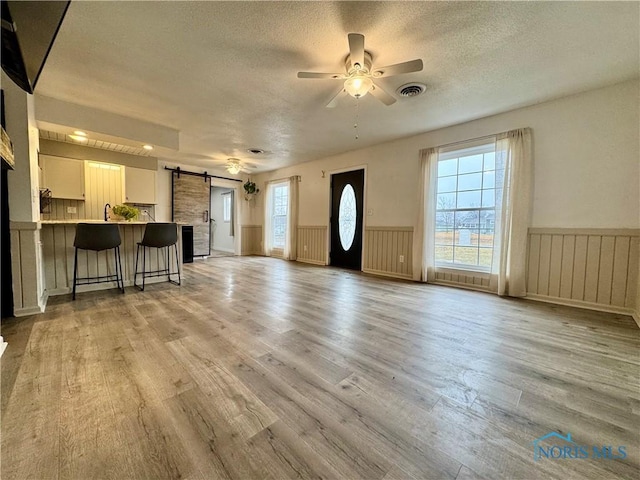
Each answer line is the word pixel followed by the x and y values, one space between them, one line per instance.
pixel 255 151
pixel 147 147
pixel 78 138
pixel 79 132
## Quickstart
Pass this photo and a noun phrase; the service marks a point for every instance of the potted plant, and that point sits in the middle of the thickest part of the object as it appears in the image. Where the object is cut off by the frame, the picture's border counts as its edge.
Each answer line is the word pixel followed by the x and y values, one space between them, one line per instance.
pixel 250 190
pixel 126 212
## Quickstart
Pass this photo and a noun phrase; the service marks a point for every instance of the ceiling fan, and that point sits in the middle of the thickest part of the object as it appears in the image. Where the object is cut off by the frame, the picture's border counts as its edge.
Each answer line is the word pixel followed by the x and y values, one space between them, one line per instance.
pixel 235 166
pixel 358 79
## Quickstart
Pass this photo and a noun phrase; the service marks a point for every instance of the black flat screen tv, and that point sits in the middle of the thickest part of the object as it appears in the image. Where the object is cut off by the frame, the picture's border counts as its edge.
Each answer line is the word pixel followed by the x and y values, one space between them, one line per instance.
pixel 28 31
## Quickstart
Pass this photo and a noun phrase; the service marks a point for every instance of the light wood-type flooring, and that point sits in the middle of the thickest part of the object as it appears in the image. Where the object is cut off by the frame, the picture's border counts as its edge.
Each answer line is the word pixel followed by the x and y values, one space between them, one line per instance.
pixel 259 368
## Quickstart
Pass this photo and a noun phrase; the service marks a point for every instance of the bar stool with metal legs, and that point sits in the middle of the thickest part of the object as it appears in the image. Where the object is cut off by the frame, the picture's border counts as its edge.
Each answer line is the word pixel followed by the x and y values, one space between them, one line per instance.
pixel 161 236
pixel 97 237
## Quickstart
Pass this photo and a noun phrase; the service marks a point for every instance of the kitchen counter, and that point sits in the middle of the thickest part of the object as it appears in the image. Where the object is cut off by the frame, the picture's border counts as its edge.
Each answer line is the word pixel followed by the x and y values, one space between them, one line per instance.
pixel 76 221
pixel 57 247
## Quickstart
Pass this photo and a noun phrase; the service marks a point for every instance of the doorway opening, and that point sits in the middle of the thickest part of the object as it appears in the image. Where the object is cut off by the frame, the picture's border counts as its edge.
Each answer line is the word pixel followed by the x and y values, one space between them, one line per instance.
pixel 224 220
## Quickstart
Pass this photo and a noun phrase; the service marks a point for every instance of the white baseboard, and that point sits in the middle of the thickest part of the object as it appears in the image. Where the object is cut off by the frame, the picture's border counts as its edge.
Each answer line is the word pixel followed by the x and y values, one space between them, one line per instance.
pixel 381 273
pixel 225 250
pixel 465 286
pixel 312 262
pixel 24 312
pixel 581 304
pixel 3 345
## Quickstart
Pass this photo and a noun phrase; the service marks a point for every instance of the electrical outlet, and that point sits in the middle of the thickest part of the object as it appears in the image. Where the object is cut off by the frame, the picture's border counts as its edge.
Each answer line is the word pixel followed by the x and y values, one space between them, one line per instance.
pixel 72 210
pixel 401 258
pixel 370 212
pixel 305 248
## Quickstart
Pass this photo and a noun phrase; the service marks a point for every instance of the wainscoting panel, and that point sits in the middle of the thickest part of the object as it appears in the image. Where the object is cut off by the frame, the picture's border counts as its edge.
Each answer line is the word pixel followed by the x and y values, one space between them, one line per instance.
pixel 58 253
pixel 589 267
pixel 474 280
pixel 251 236
pixel 26 267
pixel 312 244
pixel 383 247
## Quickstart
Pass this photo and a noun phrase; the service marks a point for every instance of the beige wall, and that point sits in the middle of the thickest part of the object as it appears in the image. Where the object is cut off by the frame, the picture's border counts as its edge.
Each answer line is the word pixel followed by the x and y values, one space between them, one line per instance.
pixel 24 199
pixel 586 175
pixel 586 150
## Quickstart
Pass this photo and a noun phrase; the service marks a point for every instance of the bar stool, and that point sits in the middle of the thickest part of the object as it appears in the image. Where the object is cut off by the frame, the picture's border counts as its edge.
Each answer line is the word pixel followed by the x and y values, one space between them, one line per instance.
pixel 158 235
pixel 97 237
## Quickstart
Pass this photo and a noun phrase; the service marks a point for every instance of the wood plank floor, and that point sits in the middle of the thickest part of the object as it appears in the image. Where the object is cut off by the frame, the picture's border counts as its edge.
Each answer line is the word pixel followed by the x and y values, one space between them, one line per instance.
pixel 262 368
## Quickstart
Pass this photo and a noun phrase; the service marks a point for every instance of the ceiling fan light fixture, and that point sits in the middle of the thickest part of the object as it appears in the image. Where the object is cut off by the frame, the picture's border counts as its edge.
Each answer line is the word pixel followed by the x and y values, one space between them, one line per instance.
pixel 233 166
pixel 358 85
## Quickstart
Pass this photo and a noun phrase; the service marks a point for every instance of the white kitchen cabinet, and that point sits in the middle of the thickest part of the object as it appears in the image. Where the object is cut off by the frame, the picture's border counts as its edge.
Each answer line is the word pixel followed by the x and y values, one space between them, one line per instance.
pixel 63 176
pixel 139 186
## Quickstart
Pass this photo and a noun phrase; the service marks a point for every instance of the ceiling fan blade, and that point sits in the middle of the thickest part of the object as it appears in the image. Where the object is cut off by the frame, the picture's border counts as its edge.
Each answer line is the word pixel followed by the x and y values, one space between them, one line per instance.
pixel 320 75
pixel 356 49
pixel 334 100
pixel 399 68
pixel 381 95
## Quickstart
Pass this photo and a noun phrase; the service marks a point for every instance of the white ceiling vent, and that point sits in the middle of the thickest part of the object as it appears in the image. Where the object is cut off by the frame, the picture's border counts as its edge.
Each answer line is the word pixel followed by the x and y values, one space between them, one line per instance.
pixel 411 89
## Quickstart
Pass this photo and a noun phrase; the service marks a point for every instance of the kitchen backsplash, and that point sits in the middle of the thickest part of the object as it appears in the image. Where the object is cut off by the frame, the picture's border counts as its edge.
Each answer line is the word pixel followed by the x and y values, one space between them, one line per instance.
pixel 60 209
pixel 64 210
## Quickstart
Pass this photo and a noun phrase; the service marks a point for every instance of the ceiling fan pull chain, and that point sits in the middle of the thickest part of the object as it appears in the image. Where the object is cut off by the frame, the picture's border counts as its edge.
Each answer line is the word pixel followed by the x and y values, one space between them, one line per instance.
pixel 355 125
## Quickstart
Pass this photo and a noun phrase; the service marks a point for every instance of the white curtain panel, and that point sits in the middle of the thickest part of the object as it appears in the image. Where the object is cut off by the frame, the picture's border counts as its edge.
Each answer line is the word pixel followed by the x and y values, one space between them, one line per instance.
pixel 266 230
pixel 513 204
pixel 291 242
pixel 427 212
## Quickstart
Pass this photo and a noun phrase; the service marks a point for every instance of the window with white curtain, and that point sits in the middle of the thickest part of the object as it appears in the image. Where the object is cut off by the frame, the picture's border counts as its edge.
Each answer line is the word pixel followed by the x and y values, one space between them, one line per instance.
pixel 465 214
pixel 279 209
pixel 475 202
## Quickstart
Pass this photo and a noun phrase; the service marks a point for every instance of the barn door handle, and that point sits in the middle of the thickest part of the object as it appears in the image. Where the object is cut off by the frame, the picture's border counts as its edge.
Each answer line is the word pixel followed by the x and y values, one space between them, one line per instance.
pixel 206 216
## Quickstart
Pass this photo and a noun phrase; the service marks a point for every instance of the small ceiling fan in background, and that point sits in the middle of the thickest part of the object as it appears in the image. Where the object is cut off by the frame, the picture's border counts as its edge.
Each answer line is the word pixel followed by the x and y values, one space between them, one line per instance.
pixel 235 166
pixel 359 76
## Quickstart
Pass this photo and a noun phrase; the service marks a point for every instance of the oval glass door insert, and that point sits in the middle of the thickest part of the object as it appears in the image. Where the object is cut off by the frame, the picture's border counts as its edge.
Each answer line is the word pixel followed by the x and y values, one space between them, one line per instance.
pixel 347 217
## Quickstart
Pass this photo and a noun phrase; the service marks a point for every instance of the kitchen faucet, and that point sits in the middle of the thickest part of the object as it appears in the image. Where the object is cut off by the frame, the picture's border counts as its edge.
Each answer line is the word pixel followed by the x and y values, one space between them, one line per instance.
pixel 106 212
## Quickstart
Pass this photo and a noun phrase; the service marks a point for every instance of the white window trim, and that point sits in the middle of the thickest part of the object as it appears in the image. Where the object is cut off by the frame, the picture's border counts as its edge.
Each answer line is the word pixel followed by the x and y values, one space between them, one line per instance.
pixel 277 250
pixel 479 146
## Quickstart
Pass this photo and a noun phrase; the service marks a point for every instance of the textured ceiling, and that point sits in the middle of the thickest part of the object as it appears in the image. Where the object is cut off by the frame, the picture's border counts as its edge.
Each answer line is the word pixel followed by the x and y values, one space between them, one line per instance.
pixel 224 73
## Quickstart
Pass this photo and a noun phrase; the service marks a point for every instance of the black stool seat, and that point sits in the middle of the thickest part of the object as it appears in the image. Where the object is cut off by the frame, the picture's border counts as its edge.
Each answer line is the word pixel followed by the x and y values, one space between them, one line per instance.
pixel 162 236
pixel 97 237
